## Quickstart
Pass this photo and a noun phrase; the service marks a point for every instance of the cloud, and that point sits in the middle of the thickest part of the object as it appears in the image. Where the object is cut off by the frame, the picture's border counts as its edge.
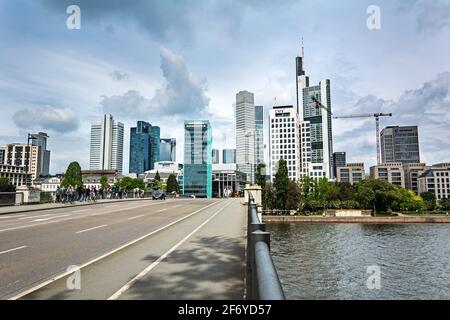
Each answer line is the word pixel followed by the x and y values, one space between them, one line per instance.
pixel 118 75
pixel 59 120
pixel 435 15
pixel 181 95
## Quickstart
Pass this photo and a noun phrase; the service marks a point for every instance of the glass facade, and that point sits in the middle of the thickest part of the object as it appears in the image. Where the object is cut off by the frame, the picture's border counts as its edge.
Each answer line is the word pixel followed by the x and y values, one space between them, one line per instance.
pixel 259 130
pixel 215 156
pixel 229 156
pixel 197 177
pixel 400 144
pixel 144 147
pixel 167 150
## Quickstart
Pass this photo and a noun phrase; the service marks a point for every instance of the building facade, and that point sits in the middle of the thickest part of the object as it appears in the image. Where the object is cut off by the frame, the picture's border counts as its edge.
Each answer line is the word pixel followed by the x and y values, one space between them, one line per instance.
pixel 16 175
pixel 226 180
pixel 92 178
pixel 351 173
pixel 164 169
pixel 144 150
pixel 229 156
pixel 40 139
pixel 391 172
pixel 107 145
pixel 284 143
pixel 2 155
pixel 24 155
pixel 412 173
pixel 259 133
pixel 246 134
pixel 339 160
pixel 215 156
pixel 197 169
pixel 168 150
pixel 400 144
pixel 436 180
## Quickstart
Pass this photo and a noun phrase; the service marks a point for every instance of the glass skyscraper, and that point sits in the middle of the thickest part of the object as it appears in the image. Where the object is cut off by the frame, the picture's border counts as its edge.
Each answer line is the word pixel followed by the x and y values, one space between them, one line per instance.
pixel 144 147
pixel 400 144
pixel 259 131
pixel 197 179
pixel 229 156
pixel 168 150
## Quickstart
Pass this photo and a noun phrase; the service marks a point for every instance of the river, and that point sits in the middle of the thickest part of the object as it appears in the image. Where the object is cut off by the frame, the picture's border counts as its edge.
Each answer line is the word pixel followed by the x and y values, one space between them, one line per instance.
pixel 331 261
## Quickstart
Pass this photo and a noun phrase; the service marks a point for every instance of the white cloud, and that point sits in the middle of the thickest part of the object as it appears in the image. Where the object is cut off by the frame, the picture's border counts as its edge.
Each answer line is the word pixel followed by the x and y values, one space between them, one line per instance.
pixel 47 118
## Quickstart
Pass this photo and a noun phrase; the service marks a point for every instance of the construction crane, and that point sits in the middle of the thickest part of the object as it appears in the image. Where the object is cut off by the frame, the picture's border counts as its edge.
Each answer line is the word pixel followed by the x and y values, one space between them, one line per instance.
pixel 377 123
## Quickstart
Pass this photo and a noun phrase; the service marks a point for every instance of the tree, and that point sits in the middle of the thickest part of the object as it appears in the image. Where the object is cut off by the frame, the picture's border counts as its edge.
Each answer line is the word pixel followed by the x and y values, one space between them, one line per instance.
pixel 269 197
pixel 346 191
pixel 430 200
pixel 445 204
pixel 376 194
pixel 409 201
pixel 73 176
pixel 104 182
pixel 293 196
pixel 129 184
pixel 157 176
pixel 261 175
pixel 4 181
pixel 172 184
pixel 281 184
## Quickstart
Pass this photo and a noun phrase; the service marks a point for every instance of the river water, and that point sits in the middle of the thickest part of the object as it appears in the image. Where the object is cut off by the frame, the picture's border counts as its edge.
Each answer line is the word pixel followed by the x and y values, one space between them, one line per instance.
pixel 331 261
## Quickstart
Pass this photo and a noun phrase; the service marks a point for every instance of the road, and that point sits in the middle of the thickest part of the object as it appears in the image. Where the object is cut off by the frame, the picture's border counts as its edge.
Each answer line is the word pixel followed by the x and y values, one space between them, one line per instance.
pixel 174 249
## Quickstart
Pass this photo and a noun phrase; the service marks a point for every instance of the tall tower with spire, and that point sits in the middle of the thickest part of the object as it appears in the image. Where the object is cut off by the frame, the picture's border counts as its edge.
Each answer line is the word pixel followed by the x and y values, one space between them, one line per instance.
pixel 301 80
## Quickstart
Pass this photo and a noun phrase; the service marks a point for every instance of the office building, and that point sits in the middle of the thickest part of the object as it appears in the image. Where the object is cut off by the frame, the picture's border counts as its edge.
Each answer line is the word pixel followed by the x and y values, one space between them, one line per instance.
pixel 144 147
pixel 339 160
pixel 315 125
pixel 16 175
pixel 2 155
pixel 246 134
pixel 197 169
pixel 412 173
pixel 107 145
pixel 400 144
pixel 215 156
pixel 40 139
pixel 284 140
pixel 391 172
pixel 23 155
pixel 226 180
pixel 259 133
pixel 351 173
pixel 436 180
pixel 168 150
pixel 229 156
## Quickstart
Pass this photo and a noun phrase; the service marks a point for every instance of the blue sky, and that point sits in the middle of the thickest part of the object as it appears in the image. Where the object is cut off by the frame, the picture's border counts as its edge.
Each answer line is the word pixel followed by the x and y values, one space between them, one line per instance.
pixel 166 61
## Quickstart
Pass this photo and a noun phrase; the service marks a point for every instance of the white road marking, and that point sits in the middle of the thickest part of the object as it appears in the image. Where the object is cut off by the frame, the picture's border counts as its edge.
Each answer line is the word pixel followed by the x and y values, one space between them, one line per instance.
pixel 90 229
pixel 15 249
pixel 33 217
pixel 80 211
pixel 12 216
pixel 50 218
pixel 162 210
pixel 65 274
pixel 137 217
pixel 113 206
pixel 165 255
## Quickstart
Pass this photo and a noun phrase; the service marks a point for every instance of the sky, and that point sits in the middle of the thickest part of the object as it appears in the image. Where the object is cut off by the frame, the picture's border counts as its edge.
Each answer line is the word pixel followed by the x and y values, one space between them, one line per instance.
pixel 166 61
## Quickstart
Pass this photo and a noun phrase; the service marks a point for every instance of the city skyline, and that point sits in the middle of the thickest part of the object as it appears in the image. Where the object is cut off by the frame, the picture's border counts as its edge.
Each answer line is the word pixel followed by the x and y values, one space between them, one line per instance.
pixel 63 101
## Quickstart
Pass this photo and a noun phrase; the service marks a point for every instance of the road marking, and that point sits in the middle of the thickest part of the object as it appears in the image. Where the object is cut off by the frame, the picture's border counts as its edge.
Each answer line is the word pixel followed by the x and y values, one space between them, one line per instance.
pixel 15 249
pixel 162 210
pixel 33 217
pixel 137 217
pixel 113 206
pixel 12 216
pixel 50 218
pixel 178 205
pixel 165 255
pixel 80 211
pixel 65 274
pixel 90 229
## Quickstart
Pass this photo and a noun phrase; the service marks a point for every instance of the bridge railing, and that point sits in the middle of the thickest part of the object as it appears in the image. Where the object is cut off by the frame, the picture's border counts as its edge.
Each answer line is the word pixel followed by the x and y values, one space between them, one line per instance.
pixel 262 282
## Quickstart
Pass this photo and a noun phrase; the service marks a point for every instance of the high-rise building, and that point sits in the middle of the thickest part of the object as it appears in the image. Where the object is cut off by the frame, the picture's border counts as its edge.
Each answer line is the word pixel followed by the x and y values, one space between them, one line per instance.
pixel 351 173
pixel 436 180
pixel 40 139
pixel 284 140
pixel 2 155
pixel 144 150
pixel 107 145
pixel 246 134
pixel 315 125
pixel 400 144
pixel 339 160
pixel 229 156
pixel 197 169
pixel 215 156
pixel 24 155
pixel 259 131
pixel 168 150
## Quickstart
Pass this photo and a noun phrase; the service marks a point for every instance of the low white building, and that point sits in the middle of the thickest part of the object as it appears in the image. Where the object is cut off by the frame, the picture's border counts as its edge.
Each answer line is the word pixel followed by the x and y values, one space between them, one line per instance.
pixel 165 169
pixel 436 180
pixel 47 184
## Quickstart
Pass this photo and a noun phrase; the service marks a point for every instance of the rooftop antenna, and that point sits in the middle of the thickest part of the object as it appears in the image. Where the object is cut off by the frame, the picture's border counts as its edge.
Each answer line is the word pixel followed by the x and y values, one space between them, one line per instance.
pixel 275 102
pixel 303 49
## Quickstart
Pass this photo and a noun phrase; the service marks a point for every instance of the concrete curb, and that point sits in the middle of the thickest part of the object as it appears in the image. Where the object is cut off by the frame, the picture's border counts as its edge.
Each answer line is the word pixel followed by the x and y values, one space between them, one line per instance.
pixel 73 206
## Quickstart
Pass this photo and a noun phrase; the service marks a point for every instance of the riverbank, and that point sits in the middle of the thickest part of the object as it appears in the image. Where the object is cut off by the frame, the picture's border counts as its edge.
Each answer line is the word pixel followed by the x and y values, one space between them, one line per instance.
pixel 402 219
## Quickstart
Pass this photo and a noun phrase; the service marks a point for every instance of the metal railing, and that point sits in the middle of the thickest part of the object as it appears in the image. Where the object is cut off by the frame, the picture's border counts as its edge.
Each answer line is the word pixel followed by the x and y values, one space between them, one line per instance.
pixel 262 282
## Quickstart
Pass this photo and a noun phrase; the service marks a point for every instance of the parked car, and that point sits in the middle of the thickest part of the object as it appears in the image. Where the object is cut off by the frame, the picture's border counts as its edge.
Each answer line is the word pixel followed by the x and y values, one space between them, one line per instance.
pixel 159 195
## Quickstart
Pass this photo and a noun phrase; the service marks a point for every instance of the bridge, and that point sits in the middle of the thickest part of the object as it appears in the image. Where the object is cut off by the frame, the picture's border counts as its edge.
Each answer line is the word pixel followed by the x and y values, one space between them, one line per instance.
pixel 192 249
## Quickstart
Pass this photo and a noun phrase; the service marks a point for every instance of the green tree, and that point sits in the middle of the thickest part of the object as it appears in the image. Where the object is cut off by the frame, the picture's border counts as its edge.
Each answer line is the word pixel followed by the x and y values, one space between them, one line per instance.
pixel 269 196
pixel 346 191
pixel 445 204
pixel 104 182
pixel 73 176
pixel 293 196
pixel 126 183
pixel 261 175
pixel 430 200
pixel 281 184
pixel 157 176
pixel 4 181
pixel 376 194
pixel 172 184
pixel 409 201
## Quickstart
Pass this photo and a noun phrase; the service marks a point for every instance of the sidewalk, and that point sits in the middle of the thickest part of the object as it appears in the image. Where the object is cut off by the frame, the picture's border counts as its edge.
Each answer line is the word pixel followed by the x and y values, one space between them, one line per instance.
pixel 48 206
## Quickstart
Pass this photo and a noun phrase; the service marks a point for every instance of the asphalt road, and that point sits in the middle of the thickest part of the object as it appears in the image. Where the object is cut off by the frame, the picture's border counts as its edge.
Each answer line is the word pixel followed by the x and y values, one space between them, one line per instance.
pixel 174 249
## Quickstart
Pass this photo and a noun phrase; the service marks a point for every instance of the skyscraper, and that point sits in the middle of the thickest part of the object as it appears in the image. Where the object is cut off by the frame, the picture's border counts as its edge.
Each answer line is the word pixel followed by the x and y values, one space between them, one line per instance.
pixel 229 156
pixel 315 125
pixel 339 160
pixel 246 134
pixel 284 143
pixel 400 144
pixel 144 151
pixel 215 156
pixel 168 150
pixel 107 145
pixel 23 155
pixel 197 179
pixel 259 130
pixel 40 139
